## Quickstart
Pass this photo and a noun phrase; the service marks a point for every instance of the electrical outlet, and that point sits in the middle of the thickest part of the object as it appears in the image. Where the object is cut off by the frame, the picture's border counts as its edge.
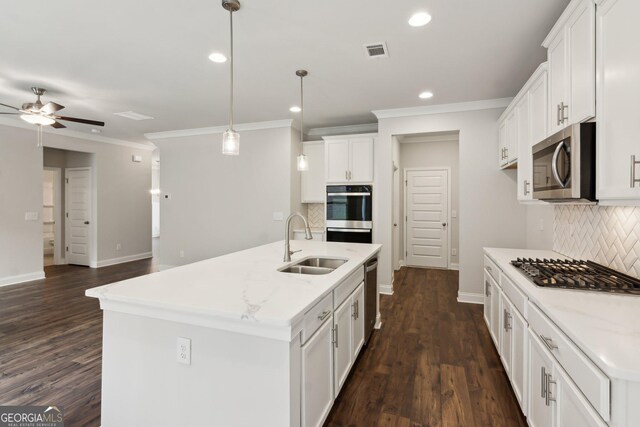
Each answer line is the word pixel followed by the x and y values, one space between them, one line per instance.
pixel 541 225
pixel 454 252
pixel 183 347
pixel 118 246
pixel 31 216
pixel 181 253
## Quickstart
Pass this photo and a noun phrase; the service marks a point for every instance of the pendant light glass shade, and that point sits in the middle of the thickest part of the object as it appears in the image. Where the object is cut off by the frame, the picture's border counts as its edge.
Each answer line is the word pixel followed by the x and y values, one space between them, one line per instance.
pixel 303 163
pixel 231 143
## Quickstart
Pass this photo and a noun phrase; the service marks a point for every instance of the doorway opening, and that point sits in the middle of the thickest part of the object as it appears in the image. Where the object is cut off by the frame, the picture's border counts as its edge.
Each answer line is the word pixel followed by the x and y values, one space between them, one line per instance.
pixel 426 209
pixel 69 235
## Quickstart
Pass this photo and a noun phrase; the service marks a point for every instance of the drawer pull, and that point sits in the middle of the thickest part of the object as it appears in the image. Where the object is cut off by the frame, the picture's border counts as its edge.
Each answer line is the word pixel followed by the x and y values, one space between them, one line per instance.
pixel 548 342
pixel 324 315
pixel 334 339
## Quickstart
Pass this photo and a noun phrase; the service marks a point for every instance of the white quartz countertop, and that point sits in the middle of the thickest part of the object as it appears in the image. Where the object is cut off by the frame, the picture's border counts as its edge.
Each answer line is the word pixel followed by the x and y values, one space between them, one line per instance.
pixel 241 292
pixel 605 326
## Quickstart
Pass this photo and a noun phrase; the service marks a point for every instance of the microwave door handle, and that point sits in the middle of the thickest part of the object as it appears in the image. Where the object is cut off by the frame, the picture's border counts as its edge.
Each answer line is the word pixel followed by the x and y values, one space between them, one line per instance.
pixel 554 165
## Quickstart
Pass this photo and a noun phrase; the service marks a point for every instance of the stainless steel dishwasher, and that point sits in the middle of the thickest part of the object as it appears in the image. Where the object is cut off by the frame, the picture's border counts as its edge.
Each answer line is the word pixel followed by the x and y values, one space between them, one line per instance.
pixel 370 296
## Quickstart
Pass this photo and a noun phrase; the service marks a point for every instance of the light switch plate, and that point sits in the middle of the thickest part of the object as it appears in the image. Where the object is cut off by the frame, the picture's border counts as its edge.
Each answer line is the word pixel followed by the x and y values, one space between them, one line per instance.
pixel 183 347
pixel 31 216
pixel 136 158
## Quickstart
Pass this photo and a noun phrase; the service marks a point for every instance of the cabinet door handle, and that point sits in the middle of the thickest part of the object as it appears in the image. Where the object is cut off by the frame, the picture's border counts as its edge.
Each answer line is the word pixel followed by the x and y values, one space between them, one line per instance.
pixel 334 339
pixel 324 315
pixel 526 187
pixel 504 319
pixel 558 115
pixel 346 175
pixel 548 342
pixel 634 163
pixel 357 309
pixel 543 382
pixel 564 117
pixel 349 175
pixel 507 326
pixel 487 292
pixel 548 396
pixel 353 310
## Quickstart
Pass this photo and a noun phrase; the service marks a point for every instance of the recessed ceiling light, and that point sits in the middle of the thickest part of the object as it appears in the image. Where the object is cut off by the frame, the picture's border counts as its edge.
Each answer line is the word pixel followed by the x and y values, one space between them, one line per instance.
pixel 426 95
pixel 419 19
pixel 295 109
pixel 218 57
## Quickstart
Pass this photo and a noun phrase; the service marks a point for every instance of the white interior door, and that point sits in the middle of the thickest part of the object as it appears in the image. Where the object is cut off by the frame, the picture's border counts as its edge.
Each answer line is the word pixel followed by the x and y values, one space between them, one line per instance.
pixel 78 213
pixel 427 217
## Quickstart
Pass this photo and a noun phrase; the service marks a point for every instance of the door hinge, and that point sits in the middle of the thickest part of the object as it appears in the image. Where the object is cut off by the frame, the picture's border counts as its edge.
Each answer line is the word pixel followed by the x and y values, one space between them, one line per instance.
pixel 67 248
pixel 406 182
pixel 67 214
pixel 66 180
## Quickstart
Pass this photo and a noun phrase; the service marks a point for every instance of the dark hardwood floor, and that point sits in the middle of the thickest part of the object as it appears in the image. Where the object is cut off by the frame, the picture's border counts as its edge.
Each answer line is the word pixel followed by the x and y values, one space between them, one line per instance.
pixel 51 340
pixel 431 364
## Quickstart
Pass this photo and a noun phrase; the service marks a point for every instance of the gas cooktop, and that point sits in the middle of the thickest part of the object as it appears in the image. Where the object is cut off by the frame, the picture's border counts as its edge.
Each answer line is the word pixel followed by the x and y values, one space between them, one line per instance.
pixel 574 274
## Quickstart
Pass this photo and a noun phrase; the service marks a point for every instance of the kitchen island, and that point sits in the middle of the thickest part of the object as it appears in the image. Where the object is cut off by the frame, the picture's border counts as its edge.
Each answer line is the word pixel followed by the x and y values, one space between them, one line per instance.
pixel 232 340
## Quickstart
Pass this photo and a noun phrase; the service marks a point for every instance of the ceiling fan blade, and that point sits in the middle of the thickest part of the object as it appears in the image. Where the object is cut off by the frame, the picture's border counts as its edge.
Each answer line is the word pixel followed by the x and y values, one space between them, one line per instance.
pixel 5 105
pixel 85 121
pixel 58 125
pixel 51 107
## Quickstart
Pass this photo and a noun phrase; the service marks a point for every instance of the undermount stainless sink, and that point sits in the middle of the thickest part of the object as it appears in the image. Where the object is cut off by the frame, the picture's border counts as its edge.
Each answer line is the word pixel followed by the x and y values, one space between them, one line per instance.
pixel 315 265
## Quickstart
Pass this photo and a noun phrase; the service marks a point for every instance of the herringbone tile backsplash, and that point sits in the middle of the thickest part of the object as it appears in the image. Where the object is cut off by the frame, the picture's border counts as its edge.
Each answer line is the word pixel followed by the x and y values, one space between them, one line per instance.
pixel 606 235
pixel 316 215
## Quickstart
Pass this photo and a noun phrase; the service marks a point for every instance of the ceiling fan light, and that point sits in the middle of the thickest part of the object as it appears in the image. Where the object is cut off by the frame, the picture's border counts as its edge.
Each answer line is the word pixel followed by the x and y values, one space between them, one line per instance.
pixel 35 119
pixel 303 162
pixel 231 143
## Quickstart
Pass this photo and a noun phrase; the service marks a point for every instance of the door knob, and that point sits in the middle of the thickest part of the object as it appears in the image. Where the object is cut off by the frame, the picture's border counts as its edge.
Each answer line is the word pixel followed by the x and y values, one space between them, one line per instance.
pixel 444 224
pixel 86 222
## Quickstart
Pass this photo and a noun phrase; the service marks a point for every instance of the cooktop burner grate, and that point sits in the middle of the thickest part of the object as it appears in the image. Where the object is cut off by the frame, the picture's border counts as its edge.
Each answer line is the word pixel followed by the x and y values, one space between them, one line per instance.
pixel 574 274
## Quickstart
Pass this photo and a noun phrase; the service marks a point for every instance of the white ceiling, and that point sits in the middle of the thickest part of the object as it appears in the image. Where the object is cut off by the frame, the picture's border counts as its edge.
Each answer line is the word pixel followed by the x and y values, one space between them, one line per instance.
pixel 150 56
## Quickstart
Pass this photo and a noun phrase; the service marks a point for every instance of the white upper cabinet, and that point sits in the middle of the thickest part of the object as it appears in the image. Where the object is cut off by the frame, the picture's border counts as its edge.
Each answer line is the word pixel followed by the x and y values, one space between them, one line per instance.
pixel 618 128
pixel 531 115
pixel 349 159
pixel 507 135
pixel 571 55
pixel 313 187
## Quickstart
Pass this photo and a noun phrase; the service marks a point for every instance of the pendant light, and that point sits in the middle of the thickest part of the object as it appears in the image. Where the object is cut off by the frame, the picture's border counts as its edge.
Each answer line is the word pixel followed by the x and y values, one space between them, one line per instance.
pixel 231 138
pixel 303 163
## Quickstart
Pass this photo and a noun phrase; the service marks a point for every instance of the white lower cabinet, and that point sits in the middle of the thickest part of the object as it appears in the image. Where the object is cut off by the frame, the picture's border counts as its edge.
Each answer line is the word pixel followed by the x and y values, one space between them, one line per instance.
pixel 555 401
pixel 487 299
pixel 519 357
pixel 342 355
pixel 317 376
pixel 541 399
pixel 505 330
pixel 348 323
pixel 494 326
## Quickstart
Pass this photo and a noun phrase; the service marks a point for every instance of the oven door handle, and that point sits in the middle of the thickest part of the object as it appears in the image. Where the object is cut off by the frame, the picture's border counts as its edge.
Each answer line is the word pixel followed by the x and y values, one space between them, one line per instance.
pixel 348 194
pixel 554 166
pixel 350 230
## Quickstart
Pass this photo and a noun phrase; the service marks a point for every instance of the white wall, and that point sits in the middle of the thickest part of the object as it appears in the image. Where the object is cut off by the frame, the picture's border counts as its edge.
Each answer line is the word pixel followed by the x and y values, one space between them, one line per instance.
pixel 20 192
pixel 489 212
pixel 221 204
pixel 433 153
pixel 122 203
pixel 540 226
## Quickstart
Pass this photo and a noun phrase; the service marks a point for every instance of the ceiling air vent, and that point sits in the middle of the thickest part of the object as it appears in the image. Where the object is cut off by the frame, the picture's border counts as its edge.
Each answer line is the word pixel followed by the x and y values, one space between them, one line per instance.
pixel 133 115
pixel 377 50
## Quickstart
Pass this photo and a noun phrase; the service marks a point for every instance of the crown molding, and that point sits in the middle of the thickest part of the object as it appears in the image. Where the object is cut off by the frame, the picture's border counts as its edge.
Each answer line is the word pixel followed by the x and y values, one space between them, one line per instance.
pixel 444 137
pixel 75 134
pixel 242 127
pixel 458 107
pixel 344 130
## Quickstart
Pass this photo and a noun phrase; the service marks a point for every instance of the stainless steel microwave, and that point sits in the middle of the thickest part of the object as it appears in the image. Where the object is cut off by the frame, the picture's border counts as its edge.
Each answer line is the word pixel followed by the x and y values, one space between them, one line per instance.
pixel 564 165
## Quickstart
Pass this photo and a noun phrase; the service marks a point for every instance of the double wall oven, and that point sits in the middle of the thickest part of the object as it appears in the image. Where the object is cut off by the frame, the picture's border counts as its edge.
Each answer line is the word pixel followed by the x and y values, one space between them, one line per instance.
pixel 349 210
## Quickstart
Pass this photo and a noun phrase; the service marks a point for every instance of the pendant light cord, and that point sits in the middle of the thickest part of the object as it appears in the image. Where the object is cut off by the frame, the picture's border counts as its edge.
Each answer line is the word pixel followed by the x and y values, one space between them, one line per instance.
pixel 231 64
pixel 301 109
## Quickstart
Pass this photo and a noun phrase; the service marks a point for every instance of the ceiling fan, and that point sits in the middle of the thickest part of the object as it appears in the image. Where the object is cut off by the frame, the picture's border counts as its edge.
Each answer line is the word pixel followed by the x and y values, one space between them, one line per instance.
pixel 44 114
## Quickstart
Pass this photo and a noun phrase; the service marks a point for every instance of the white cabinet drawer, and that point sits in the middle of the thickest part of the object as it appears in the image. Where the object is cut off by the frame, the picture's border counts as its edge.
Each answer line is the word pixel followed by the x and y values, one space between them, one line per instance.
pixel 314 318
pixel 515 295
pixel 492 268
pixel 344 289
pixel 593 383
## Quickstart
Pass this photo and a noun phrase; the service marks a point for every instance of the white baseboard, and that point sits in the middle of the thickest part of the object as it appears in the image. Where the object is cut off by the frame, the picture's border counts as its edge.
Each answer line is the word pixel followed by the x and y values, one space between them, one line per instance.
pixel 385 289
pixel 454 266
pixel 401 263
pixel 470 297
pixel 21 278
pixel 128 258
pixel 378 324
